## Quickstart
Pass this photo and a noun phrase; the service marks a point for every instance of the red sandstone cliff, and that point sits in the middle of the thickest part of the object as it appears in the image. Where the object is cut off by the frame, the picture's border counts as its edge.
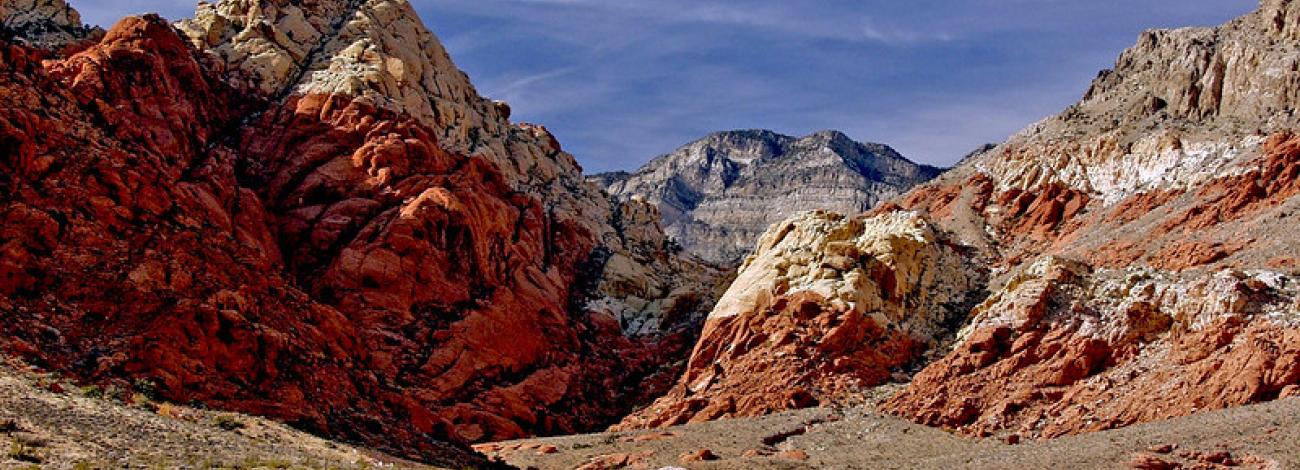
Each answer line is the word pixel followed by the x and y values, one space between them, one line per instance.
pixel 304 211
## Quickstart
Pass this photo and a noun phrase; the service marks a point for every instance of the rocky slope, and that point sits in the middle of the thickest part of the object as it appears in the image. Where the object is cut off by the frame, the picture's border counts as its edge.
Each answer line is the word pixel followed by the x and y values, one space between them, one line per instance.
pixel 1148 235
pixel 47 422
pixel 305 211
pixel 49 24
pixel 720 193
pixel 1134 257
pixel 828 306
pixel 1258 437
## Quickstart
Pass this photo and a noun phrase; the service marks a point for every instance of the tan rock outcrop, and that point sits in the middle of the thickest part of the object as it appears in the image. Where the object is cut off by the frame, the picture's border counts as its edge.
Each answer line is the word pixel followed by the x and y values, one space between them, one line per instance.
pixel 45 24
pixel 1281 18
pixel 21 13
pixel 827 307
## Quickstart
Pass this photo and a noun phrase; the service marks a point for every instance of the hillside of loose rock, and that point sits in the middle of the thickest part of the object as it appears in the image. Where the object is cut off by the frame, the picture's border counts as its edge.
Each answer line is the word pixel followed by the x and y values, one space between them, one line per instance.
pixel 48 422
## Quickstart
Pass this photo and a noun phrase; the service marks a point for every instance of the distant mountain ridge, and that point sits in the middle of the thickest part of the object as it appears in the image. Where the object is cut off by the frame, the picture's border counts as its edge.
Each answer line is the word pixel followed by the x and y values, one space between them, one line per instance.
pixel 719 193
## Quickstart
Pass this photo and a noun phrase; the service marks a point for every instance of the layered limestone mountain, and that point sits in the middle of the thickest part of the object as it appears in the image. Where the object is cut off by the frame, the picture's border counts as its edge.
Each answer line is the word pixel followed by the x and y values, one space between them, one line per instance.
pixel 1139 250
pixel 305 211
pixel 720 193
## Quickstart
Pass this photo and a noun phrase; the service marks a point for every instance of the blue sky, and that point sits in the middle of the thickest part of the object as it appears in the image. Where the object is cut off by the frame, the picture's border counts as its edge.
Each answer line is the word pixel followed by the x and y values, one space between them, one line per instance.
pixel 622 81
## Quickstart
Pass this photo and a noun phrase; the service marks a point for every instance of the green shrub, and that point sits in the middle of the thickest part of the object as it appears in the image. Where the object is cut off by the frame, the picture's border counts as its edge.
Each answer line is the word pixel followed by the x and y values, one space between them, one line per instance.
pixel 146 387
pixel 112 392
pixel 24 452
pixel 228 422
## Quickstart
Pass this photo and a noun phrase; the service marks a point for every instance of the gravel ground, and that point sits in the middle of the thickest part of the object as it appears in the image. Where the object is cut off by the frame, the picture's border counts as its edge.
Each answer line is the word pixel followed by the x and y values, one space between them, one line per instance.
pixel 1261 436
pixel 91 429
pixel 48 423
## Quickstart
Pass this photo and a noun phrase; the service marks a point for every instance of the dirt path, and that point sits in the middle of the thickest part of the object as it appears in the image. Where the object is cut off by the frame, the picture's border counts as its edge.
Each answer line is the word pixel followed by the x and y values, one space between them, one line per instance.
pixel 1261 437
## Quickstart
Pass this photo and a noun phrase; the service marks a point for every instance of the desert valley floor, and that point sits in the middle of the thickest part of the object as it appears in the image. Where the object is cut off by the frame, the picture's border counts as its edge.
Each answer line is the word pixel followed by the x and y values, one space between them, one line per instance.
pixel 70 430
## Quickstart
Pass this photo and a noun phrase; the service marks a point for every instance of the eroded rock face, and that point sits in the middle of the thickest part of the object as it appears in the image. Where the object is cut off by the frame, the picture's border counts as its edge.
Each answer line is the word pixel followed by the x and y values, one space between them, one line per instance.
pixel 375 52
pixel 1165 205
pixel 378 55
pixel 828 306
pixel 1280 18
pixel 20 13
pixel 650 288
pixel 355 243
pixel 1180 108
pixel 1139 250
pixel 1062 349
pixel 719 194
pixel 1152 299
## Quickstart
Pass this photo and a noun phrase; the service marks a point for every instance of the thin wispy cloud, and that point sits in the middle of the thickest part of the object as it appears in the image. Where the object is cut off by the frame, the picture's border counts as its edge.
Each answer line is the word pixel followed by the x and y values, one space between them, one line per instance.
pixel 621 81
pixel 786 18
pixel 896 36
pixel 519 84
pixel 934 78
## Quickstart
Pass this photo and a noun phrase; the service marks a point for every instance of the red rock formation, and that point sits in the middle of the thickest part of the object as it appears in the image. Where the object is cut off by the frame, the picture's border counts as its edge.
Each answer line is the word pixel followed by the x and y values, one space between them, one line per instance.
pixel 1039 214
pixel 1224 200
pixel 753 365
pixel 1134 207
pixel 941 201
pixel 1117 254
pixel 136 252
pixel 1051 373
pixel 1057 364
pixel 318 260
pixel 1180 256
pixel 1047 375
pixel 789 336
pixel 1284 262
